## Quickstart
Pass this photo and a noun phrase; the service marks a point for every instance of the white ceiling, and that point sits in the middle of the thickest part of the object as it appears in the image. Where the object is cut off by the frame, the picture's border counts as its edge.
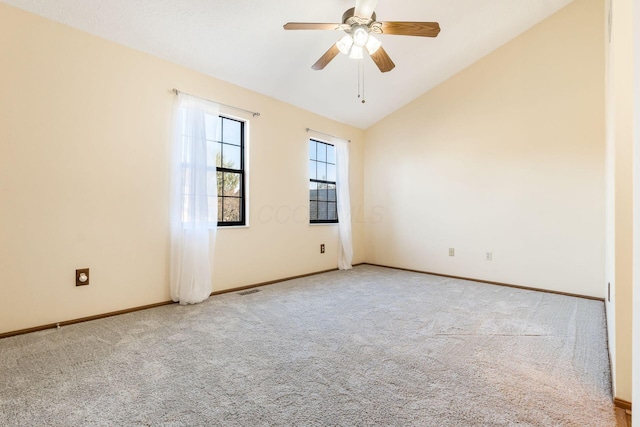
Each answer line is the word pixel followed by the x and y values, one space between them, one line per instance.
pixel 243 42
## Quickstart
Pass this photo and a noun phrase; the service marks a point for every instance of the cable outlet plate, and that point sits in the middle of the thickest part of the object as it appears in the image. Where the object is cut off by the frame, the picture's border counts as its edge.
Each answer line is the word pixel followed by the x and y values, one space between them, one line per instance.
pixel 79 273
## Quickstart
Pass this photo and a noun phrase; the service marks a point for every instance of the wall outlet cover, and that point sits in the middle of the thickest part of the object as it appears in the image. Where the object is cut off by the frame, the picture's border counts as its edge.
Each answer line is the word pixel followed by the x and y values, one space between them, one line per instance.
pixel 82 277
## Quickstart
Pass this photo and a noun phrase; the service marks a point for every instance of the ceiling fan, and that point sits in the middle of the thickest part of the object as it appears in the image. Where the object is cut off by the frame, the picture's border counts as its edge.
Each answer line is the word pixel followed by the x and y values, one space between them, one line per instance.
pixel 360 24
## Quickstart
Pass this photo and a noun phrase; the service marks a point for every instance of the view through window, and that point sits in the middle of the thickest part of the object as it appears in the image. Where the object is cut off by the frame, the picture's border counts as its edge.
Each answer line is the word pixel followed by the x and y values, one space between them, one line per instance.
pixel 322 183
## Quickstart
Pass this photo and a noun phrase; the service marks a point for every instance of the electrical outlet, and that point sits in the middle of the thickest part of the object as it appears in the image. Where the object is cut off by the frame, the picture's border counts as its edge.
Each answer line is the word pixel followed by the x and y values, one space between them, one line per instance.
pixel 322 248
pixel 488 256
pixel 452 252
pixel 82 277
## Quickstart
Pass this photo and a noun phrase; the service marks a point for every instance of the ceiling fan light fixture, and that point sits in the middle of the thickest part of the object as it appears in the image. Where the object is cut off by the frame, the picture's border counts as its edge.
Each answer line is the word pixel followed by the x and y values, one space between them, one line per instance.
pixel 344 44
pixel 356 52
pixel 360 24
pixel 360 35
pixel 373 44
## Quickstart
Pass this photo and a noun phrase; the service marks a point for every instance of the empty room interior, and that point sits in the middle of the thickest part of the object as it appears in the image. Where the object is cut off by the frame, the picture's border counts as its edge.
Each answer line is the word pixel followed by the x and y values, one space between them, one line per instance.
pixel 438 230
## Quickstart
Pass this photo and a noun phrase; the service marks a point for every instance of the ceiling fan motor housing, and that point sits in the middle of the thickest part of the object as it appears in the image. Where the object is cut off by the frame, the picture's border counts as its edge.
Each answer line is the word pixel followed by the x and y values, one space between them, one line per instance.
pixel 350 13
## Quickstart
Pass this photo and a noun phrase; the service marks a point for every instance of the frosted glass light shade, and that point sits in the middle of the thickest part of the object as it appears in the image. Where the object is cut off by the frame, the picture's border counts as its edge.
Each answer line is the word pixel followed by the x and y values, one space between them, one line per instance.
pixel 356 52
pixel 360 36
pixel 373 44
pixel 344 44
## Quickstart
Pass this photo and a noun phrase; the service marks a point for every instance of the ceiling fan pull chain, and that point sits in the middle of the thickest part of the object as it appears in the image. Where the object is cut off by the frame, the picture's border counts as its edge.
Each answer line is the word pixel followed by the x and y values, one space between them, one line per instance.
pixel 358 71
pixel 362 81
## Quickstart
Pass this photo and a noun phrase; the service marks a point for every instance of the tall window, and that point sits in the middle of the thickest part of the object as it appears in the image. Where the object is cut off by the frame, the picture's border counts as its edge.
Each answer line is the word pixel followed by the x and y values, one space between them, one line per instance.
pixel 226 151
pixel 322 183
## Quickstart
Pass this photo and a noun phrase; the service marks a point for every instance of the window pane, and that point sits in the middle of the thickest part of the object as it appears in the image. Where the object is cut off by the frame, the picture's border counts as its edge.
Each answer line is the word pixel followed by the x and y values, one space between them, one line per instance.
pixel 231 131
pixel 333 211
pixel 312 149
pixel 323 214
pixel 312 169
pixel 231 184
pixel 231 211
pixel 332 193
pixel 219 177
pixel 231 156
pixel 313 211
pixel 331 154
pixel 331 173
pixel 322 171
pixel 313 191
pixel 213 153
pixel 224 151
pixel 322 192
pixel 322 152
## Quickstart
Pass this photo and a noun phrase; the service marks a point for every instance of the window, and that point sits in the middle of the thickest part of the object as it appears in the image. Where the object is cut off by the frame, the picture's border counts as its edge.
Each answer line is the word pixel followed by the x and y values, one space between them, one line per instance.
pixel 226 151
pixel 322 183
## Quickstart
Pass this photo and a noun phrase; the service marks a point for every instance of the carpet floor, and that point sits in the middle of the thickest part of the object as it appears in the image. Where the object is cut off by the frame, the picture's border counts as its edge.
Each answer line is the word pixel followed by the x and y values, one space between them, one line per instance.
pixel 365 347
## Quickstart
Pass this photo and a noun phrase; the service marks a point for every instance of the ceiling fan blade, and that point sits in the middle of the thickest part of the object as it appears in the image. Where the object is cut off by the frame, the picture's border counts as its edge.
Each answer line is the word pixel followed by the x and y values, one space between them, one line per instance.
pixel 382 60
pixel 310 26
pixel 422 29
pixel 365 8
pixel 326 58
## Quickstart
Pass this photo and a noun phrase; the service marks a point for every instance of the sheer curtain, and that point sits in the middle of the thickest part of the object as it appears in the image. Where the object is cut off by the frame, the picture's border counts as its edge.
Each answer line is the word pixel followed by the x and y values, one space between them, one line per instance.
pixel 345 248
pixel 194 207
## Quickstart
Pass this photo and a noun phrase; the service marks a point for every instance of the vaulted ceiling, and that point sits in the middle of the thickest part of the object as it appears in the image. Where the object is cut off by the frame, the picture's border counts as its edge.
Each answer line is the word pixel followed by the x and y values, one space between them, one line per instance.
pixel 243 42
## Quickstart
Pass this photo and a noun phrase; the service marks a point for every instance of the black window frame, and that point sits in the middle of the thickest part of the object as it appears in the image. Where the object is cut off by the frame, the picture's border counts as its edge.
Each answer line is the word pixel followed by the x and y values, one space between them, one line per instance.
pixel 320 181
pixel 241 171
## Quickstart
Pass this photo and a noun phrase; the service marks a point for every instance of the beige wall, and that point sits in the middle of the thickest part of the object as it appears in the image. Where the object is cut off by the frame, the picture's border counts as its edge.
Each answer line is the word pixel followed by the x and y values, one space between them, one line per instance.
pixel 620 192
pixel 508 157
pixel 84 181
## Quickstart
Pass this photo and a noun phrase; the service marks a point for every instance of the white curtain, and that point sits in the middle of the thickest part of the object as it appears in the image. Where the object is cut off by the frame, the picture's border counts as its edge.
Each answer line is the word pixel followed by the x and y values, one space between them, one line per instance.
pixel 345 248
pixel 194 202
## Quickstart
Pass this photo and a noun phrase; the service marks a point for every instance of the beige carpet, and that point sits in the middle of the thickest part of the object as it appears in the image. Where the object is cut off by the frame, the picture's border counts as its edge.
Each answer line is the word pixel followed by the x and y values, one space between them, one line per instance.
pixel 366 347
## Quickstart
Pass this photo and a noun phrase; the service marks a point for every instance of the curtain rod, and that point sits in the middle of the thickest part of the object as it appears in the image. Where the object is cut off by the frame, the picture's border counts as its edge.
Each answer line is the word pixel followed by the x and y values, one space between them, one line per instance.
pixel 255 114
pixel 326 134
